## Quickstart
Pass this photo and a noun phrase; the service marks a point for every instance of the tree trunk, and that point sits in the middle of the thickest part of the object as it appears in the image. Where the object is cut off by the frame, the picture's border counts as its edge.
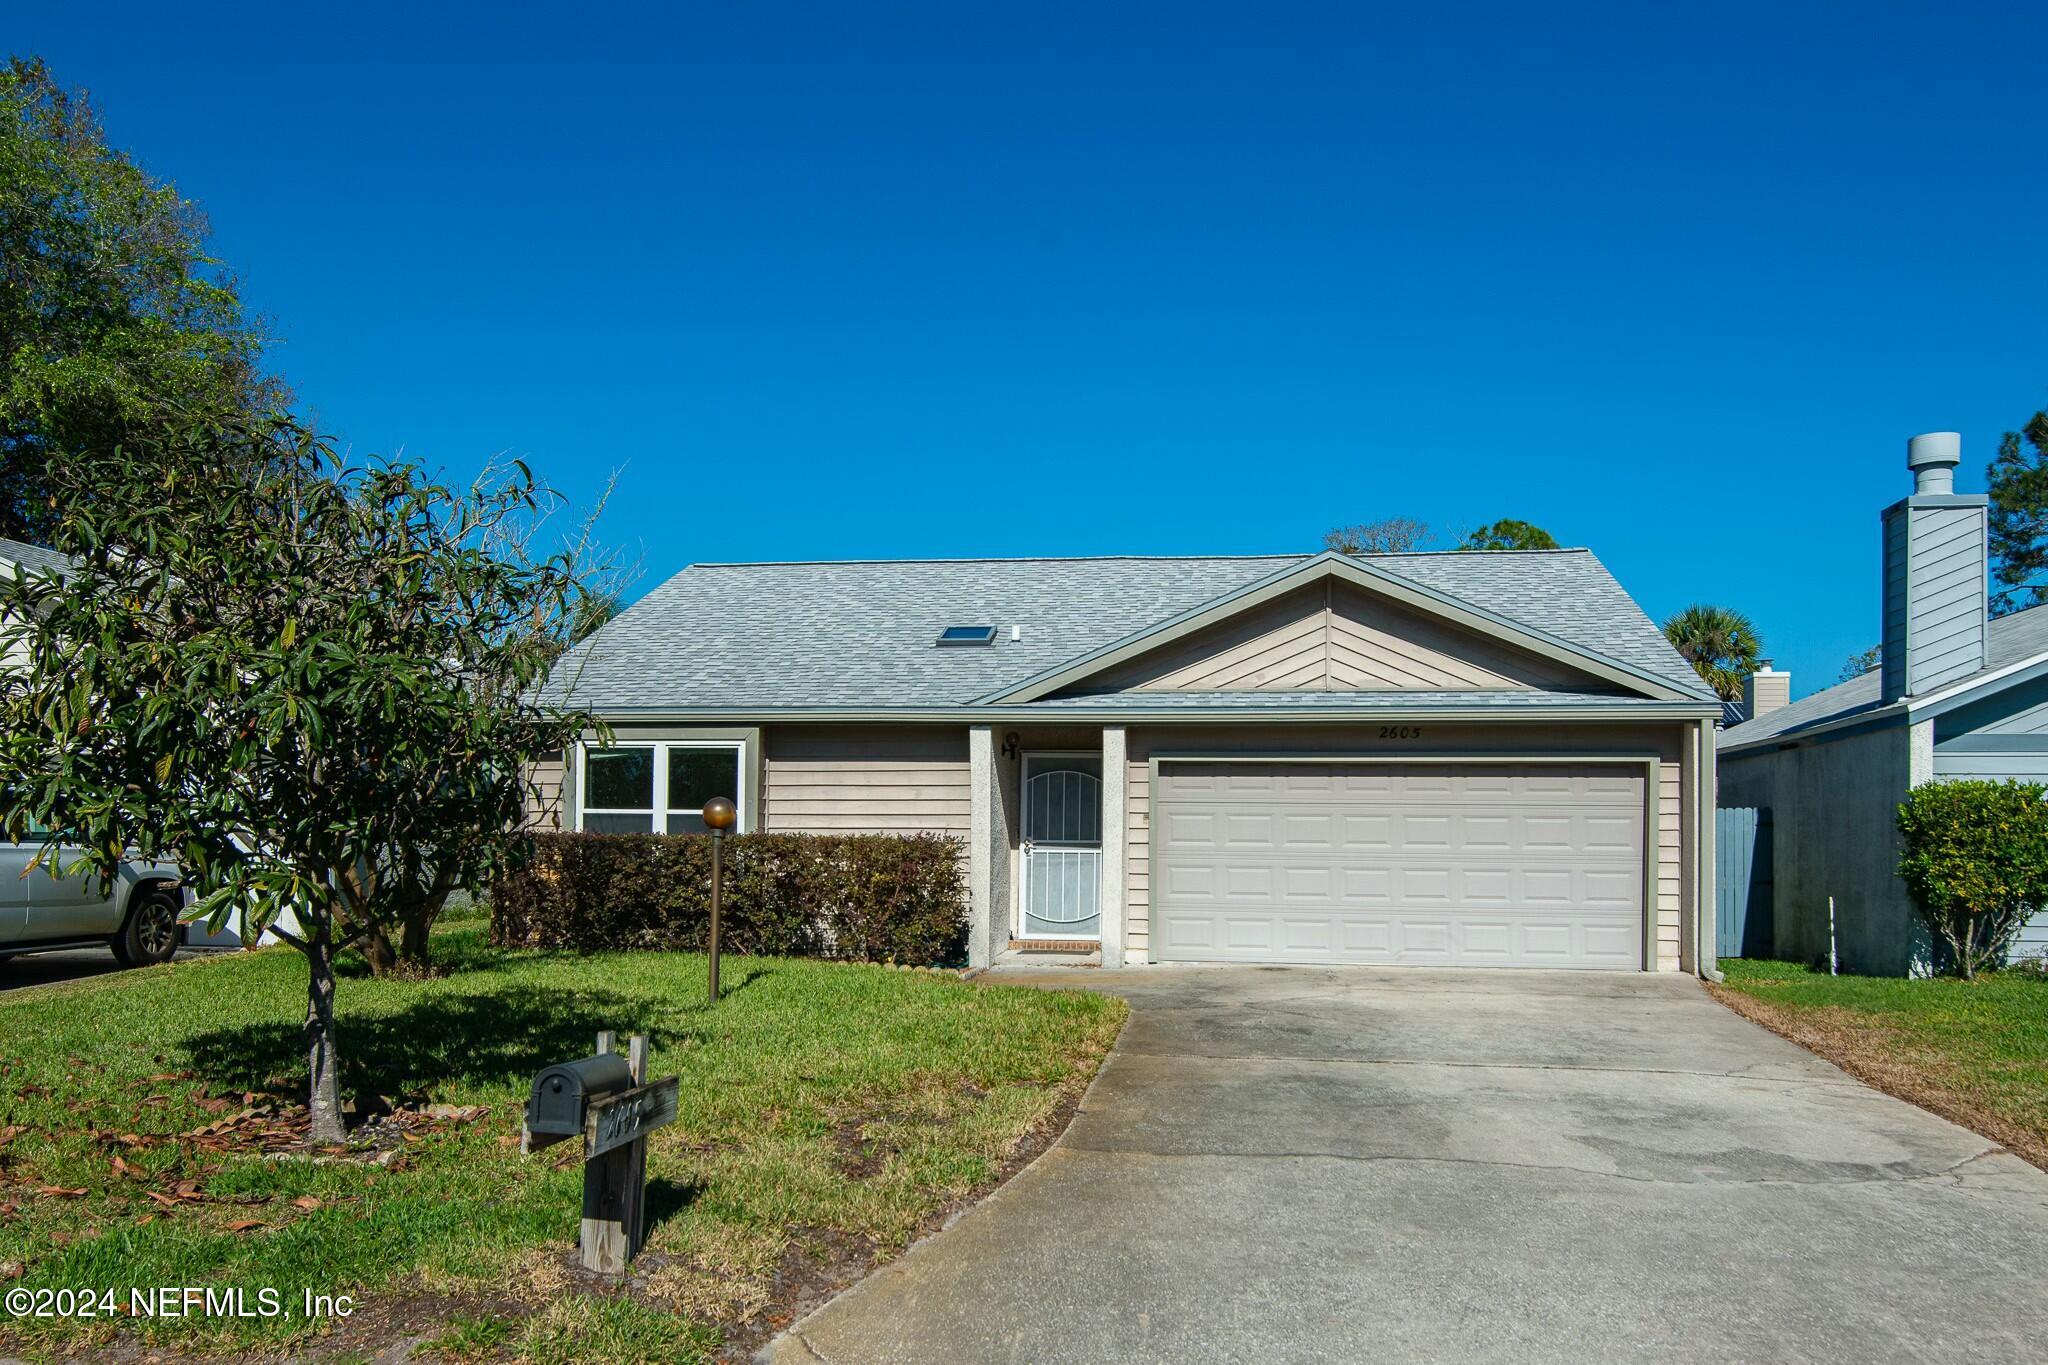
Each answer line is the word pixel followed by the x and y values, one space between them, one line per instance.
pixel 324 1064
pixel 413 949
pixel 381 956
pixel 412 942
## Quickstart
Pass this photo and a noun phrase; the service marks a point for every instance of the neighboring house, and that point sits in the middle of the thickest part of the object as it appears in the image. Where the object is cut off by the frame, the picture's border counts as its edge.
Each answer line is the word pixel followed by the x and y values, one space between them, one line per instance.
pixel 1957 695
pixel 31 557
pixel 36 558
pixel 1463 759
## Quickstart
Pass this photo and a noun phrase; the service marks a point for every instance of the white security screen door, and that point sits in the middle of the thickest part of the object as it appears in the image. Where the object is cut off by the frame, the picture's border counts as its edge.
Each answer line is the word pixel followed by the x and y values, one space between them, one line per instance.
pixel 1062 846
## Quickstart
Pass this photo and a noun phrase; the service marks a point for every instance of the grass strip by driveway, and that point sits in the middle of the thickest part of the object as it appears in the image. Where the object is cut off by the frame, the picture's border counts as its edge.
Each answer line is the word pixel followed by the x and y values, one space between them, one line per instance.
pixel 828 1114
pixel 1975 1052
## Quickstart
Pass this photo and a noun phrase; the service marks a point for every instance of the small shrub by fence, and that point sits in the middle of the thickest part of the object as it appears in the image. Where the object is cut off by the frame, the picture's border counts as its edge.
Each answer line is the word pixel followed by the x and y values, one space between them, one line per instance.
pixel 862 897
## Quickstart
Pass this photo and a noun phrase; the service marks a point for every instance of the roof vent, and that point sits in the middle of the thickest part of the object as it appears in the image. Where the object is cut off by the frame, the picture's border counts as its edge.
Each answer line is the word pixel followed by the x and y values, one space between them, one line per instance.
pixel 954 636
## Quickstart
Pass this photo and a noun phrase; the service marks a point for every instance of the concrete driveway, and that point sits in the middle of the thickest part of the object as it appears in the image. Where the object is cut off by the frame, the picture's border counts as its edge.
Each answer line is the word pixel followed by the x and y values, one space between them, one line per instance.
pixel 1297 1164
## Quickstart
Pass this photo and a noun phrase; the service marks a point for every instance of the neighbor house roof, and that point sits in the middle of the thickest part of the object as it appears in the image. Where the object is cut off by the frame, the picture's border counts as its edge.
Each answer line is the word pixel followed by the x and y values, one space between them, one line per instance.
pixel 2011 642
pixel 859 636
pixel 33 557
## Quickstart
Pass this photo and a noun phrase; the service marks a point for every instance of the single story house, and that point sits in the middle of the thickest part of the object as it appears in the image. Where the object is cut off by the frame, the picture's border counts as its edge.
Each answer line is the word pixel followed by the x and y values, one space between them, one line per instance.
pixel 1958 694
pixel 1454 759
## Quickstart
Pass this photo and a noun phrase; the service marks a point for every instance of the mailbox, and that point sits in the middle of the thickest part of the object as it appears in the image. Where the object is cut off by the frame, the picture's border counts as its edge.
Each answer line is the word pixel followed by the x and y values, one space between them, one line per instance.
pixel 562 1094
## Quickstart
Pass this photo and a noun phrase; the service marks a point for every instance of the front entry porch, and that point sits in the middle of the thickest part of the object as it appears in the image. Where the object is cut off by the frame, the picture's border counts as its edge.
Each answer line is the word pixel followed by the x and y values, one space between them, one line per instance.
pixel 1046 859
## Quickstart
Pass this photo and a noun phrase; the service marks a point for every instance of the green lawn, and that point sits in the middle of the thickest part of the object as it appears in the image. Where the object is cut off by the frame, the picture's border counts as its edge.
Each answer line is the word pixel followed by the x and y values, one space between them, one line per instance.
pixel 826 1109
pixel 1973 1051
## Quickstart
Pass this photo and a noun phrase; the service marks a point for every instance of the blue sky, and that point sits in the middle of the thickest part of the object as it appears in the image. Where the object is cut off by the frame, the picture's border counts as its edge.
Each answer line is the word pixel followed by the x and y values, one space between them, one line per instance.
pixel 834 281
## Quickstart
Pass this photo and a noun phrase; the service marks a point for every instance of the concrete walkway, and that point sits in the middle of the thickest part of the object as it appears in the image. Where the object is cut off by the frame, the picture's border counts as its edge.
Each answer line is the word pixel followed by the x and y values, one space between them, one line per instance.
pixel 1297 1164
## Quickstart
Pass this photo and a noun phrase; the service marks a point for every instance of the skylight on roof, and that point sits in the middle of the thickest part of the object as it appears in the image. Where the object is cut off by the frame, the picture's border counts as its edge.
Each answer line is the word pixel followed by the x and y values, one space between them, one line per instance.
pixel 967 635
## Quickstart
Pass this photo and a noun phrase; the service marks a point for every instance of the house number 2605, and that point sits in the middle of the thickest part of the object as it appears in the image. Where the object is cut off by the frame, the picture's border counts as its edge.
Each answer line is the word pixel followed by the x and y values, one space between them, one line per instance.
pixel 1400 732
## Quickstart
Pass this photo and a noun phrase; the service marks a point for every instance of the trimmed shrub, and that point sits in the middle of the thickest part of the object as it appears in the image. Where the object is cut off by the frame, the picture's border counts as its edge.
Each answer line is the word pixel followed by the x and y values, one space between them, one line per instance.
pixel 1976 861
pixel 862 897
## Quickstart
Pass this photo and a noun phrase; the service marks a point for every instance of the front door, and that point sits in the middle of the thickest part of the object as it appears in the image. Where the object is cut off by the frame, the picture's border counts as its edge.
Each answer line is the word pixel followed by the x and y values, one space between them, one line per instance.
pixel 1062 830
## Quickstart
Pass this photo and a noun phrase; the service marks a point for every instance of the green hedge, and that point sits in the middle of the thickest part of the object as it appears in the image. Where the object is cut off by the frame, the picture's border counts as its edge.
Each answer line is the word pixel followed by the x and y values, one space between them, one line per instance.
pixel 1975 857
pixel 864 897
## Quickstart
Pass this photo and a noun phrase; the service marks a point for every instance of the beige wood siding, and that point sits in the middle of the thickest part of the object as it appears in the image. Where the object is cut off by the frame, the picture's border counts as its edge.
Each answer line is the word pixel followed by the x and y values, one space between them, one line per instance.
pixel 1574 740
pixel 865 780
pixel 1138 856
pixel 544 793
pixel 1334 637
pixel 1670 863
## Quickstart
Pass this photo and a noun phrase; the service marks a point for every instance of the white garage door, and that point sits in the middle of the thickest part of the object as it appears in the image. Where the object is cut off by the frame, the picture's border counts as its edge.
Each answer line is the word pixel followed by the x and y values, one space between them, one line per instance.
pixel 1438 864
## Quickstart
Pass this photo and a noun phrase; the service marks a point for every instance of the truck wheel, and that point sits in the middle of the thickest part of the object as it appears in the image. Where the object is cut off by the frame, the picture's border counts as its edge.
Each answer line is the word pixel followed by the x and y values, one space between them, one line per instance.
pixel 152 932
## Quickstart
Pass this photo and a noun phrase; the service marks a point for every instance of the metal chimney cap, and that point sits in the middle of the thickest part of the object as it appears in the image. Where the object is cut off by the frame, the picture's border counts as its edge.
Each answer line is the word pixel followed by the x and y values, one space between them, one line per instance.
pixel 1933 457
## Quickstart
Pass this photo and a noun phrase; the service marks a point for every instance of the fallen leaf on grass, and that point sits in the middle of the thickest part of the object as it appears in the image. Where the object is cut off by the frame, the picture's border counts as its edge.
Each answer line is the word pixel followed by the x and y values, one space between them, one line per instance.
pixel 12 1270
pixel 214 1104
pixel 145 1220
pixel 306 1201
pixel 457 1113
pixel 59 1192
pixel 245 1225
pixel 9 1133
pixel 122 1168
pixel 170 1076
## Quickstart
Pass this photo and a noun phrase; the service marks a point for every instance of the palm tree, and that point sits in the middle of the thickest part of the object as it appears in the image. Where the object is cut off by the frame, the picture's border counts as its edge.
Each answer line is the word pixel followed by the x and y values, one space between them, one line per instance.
pixel 1720 643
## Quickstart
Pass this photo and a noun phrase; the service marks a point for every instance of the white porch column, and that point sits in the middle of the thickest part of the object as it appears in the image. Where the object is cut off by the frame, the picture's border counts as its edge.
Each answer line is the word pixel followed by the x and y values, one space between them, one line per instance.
pixel 988 851
pixel 1114 775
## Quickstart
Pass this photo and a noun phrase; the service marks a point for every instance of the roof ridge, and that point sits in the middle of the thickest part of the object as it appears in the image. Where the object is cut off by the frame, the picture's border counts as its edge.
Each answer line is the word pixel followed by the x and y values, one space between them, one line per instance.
pixel 990 559
pixel 1117 558
pixel 1460 550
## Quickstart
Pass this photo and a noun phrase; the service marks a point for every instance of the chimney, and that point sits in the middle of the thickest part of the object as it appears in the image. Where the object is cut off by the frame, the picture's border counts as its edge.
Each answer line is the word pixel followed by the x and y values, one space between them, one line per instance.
pixel 1934 574
pixel 1764 691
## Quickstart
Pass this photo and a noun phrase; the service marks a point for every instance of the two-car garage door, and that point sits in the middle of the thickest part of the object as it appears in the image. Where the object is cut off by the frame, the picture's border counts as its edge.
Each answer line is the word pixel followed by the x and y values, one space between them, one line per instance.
pixel 1461 864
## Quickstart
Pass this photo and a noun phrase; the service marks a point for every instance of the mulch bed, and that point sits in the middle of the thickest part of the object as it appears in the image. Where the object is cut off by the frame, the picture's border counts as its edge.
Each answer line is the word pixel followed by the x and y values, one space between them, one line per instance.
pixel 1869 1052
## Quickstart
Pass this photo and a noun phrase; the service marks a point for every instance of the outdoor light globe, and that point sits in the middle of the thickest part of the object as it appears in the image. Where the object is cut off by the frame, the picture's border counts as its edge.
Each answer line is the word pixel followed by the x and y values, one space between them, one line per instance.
pixel 719 814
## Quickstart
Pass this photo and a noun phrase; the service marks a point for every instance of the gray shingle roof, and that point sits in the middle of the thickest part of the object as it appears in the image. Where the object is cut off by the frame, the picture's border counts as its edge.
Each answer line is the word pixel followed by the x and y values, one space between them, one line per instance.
pixel 33 557
pixel 2011 639
pixel 1402 699
pixel 850 636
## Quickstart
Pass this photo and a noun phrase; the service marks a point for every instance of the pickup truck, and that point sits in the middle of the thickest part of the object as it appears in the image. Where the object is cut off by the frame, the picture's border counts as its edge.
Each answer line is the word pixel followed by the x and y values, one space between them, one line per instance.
pixel 137 915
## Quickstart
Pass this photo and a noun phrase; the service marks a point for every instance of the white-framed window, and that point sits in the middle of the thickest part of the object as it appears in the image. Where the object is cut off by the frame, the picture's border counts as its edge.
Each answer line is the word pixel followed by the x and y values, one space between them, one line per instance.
pixel 658 787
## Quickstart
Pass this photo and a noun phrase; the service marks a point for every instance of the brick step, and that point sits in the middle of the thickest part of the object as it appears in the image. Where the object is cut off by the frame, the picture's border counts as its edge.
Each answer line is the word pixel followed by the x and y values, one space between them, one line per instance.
pixel 1054 945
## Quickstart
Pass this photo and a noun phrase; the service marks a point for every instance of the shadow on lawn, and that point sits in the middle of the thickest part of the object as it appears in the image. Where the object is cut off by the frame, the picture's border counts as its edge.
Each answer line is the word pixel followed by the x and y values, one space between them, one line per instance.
pixel 666 1198
pixel 493 1038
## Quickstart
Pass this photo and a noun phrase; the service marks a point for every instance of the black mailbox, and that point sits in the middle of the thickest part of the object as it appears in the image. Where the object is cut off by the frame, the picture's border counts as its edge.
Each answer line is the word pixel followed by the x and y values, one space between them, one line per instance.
pixel 562 1093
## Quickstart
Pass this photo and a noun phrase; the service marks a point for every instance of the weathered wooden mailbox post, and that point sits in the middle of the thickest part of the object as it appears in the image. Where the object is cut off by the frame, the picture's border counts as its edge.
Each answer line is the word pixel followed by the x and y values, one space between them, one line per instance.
pixel 607 1101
